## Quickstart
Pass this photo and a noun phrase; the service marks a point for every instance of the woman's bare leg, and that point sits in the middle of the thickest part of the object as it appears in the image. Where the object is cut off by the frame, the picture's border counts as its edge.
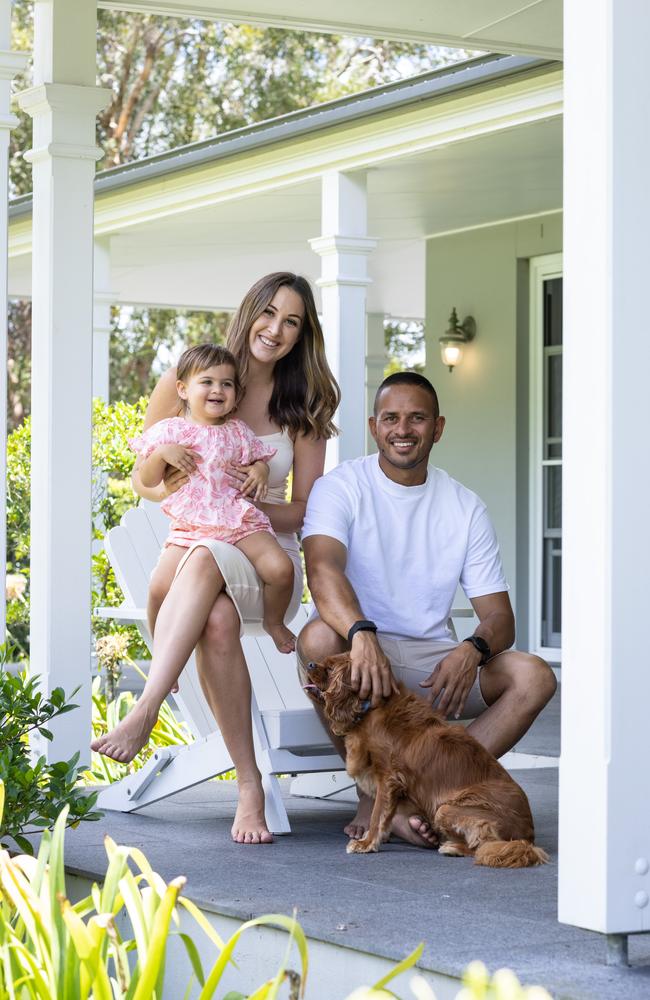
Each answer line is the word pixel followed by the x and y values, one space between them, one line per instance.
pixel 180 622
pixel 275 569
pixel 159 584
pixel 224 678
pixel 161 581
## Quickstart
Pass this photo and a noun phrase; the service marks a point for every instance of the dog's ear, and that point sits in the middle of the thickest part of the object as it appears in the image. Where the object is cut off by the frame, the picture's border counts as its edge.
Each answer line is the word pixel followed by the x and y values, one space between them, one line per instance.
pixel 341 701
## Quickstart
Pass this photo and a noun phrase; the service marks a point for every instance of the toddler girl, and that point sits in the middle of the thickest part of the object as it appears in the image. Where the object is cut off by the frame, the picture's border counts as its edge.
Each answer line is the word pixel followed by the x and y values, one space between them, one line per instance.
pixel 204 442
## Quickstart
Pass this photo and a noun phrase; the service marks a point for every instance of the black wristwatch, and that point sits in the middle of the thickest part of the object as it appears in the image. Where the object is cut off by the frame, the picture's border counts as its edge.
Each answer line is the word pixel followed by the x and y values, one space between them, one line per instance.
pixel 482 646
pixel 363 625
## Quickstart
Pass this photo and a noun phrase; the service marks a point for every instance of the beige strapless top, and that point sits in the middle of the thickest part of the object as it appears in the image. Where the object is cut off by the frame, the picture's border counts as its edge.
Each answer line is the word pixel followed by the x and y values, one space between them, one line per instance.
pixel 279 466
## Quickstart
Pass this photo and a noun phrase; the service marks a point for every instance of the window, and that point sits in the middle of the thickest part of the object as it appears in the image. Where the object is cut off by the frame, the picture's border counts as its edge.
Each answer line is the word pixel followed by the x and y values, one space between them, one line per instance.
pixel 546 456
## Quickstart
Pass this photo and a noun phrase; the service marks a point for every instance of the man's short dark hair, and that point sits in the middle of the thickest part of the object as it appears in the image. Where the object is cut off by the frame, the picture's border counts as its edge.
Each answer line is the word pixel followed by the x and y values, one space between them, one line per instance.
pixel 408 378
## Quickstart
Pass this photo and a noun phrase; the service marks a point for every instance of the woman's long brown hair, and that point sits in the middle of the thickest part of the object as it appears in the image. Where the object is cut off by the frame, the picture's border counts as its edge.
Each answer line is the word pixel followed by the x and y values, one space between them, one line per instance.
pixel 305 393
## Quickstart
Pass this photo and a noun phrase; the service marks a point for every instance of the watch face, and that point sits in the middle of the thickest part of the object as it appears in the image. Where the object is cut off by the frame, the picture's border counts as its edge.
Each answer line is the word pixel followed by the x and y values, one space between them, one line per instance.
pixel 480 644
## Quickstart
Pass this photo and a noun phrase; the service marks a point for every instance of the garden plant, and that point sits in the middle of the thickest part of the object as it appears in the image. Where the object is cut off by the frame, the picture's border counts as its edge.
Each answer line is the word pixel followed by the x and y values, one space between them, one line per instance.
pixel 34 790
pixel 113 943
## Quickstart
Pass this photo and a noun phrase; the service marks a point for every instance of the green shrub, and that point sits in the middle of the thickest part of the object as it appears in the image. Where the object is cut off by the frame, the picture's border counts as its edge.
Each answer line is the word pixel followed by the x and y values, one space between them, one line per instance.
pixel 112 495
pixel 34 790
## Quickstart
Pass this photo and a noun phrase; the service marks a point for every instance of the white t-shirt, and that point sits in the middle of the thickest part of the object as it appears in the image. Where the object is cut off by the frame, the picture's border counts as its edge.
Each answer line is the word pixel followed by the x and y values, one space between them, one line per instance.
pixel 408 546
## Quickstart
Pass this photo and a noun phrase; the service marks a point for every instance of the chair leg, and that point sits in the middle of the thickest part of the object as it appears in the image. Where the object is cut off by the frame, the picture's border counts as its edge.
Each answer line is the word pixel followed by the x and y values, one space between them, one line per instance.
pixel 274 808
pixel 169 771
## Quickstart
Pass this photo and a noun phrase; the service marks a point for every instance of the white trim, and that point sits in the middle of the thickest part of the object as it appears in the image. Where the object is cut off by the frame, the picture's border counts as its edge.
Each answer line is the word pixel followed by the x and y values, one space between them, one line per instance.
pixel 375 140
pixel 496 222
pixel 334 25
pixel 541 268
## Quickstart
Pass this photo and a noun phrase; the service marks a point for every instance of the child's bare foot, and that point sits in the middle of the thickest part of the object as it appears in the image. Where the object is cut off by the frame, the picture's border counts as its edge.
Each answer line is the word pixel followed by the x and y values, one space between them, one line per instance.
pixel 283 637
pixel 249 825
pixel 128 738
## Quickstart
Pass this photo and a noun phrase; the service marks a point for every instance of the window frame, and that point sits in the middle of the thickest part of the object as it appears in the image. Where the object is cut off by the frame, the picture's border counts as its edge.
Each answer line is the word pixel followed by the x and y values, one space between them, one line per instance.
pixel 541 269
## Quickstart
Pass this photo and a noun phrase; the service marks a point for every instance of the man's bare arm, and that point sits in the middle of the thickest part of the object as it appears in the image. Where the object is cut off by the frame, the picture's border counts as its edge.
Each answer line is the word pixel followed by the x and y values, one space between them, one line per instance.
pixel 453 678
pixel 496 621
pixel 338 607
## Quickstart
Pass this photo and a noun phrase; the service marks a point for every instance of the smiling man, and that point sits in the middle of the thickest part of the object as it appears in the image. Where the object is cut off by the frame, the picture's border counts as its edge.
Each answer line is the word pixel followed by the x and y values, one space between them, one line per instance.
pixel 387 540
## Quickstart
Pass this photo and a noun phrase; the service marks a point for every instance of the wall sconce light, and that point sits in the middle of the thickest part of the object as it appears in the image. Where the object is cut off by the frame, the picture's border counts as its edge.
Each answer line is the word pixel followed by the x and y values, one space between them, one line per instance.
pixel 458 334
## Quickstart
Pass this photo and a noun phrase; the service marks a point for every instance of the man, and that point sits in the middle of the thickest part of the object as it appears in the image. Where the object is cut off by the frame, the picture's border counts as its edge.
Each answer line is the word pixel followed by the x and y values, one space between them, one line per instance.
pixel 387 540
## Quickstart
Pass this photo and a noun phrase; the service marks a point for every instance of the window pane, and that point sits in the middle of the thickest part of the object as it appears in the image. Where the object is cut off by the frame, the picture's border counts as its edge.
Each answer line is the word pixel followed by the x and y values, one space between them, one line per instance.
pixel 552 497
pixel 554 396
pixel 551 631
pixel 552 312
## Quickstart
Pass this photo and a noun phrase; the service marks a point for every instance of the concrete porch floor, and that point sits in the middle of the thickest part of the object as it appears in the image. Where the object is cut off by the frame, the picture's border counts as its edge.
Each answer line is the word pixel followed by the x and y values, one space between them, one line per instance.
pixel 383 904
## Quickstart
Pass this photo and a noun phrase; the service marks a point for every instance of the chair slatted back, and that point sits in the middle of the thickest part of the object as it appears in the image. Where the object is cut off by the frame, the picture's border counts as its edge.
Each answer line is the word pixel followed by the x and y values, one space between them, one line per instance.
pixel 133 548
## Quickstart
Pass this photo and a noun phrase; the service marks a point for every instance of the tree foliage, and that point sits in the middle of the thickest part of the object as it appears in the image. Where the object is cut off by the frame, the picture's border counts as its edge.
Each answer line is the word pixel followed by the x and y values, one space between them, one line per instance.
pixel 146 341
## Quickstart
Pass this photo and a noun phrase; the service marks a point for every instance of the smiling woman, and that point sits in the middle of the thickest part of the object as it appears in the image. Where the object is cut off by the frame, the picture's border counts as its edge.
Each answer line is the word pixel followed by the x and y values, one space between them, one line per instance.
pixel 288 400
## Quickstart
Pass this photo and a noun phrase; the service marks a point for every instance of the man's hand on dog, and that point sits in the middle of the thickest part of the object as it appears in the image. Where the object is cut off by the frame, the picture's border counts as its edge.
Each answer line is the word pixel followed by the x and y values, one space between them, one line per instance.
pixel 370 673
pixel 453 679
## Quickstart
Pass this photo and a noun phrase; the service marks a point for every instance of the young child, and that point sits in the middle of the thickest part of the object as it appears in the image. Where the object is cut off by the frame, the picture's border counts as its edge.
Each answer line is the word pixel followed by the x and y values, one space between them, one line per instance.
pixel 203 442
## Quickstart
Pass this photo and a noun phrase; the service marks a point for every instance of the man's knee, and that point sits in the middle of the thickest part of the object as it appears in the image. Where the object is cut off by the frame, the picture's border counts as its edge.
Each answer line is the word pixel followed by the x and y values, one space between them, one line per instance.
pixel 317 640
pixel 532 678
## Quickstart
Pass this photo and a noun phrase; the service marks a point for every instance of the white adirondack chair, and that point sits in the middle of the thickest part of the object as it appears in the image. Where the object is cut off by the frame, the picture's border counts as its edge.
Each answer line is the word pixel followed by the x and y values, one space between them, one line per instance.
pixel 289 738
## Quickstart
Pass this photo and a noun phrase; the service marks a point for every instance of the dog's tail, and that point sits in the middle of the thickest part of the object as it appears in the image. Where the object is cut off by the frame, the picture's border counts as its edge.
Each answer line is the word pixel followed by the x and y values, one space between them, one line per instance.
pixel 509 854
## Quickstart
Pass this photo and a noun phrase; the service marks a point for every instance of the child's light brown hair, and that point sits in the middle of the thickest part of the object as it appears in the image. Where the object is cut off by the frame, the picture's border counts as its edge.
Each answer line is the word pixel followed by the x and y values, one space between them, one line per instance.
pixel 203 356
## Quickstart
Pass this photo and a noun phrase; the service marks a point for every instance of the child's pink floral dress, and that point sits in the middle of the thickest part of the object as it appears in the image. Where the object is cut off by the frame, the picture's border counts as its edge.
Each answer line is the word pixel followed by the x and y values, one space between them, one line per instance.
pixel 209 505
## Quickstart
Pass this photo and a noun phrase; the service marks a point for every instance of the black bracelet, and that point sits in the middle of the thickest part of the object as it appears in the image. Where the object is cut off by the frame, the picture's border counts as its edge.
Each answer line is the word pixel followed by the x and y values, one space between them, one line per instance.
pixel 363 625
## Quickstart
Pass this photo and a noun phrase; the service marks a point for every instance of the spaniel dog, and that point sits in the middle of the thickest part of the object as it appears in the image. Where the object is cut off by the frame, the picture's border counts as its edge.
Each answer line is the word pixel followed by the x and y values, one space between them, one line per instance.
pixel 403 750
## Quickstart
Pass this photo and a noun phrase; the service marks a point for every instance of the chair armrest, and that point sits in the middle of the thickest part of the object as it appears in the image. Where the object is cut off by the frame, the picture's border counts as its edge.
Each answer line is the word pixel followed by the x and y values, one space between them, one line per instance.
pixel 122 613
pixel 462 613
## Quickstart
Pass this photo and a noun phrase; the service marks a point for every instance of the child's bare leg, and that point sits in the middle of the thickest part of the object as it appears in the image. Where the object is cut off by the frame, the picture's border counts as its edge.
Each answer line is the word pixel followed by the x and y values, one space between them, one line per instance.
pixel 159 584
pixel 179 625
pixel 275 569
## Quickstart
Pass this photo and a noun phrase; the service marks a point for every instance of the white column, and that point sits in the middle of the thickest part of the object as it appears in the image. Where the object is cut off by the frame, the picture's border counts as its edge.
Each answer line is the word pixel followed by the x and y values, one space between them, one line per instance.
pixel 343 248
pixel 10 64
pixel 103 299
pixel 604 873
pixel 375 366
pixel 63 104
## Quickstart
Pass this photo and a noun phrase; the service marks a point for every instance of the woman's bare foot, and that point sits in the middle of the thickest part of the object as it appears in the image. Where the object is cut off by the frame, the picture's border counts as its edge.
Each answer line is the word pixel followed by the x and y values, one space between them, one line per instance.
pixel 128 738
pixel 283 637
pixel 249 825
pixel 413 829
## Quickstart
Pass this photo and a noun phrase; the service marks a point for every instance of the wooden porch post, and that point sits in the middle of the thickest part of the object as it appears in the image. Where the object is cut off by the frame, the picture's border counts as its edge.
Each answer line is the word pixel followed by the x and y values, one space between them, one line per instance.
pixel 11 63
pixel 103 298
pixel 344 248
pixel 604 873
pixel 63 103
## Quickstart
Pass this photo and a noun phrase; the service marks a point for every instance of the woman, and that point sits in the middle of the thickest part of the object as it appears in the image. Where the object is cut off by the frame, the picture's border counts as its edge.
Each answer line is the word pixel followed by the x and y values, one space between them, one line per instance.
pixel 289 400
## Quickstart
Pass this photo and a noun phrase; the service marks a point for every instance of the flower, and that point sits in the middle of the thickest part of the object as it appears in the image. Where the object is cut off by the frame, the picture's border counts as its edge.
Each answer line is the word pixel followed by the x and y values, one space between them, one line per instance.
pixel 15 584
pixel 112 649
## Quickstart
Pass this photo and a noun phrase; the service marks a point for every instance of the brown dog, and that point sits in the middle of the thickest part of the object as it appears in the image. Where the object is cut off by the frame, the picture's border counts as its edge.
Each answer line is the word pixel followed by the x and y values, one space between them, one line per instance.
pixel 404 750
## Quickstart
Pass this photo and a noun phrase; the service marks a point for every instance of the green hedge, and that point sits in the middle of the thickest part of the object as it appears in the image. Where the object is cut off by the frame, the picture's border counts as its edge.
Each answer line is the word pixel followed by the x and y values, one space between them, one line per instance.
pixel 112 495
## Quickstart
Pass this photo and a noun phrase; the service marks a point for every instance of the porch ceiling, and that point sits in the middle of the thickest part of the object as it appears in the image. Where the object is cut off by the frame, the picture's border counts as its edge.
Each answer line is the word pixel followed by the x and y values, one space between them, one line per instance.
pixel 208 257
pixel 518 26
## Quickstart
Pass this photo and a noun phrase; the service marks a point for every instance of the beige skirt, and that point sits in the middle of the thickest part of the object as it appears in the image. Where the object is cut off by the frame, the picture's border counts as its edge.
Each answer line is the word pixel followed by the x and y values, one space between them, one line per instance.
pixel 244 586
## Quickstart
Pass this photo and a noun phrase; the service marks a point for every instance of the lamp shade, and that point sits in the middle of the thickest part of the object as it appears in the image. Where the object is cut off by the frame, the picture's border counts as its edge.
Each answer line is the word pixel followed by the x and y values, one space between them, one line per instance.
pixel 451 351
pixel 458 334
